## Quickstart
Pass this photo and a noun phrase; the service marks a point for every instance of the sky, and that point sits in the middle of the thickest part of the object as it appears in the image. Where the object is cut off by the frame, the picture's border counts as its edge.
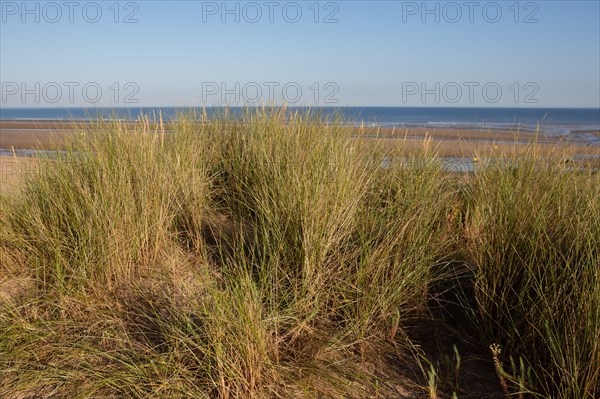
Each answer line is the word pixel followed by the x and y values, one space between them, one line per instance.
pixel 318 53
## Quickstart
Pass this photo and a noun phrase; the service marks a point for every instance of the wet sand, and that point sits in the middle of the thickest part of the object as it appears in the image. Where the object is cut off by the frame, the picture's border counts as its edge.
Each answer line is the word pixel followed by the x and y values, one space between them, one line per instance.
pixel 450 142
pixel 466 144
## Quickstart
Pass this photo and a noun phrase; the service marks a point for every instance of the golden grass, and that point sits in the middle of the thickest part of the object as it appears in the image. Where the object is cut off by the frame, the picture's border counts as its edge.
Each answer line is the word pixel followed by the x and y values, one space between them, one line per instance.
pixel 273 256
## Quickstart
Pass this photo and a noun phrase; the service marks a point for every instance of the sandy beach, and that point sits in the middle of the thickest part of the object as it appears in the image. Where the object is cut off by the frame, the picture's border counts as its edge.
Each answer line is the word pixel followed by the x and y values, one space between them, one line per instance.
pixel 29 134
pixel 337 200
pixel 16 137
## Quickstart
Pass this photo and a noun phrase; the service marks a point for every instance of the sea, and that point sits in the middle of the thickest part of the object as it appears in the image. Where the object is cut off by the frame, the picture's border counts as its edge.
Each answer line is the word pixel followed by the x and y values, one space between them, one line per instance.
pixel 577 124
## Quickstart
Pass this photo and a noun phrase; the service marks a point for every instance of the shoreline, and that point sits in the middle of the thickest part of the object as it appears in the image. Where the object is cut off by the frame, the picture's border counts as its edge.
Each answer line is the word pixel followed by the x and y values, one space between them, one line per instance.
pixel 51 135
pixel 22 143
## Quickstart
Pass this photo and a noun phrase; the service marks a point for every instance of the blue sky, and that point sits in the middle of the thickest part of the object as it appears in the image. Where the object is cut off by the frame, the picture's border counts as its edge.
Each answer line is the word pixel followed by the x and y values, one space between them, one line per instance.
pixel 388 53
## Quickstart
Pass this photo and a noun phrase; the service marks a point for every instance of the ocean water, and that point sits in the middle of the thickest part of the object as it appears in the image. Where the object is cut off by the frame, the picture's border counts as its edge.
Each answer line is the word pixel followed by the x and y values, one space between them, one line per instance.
pixel 574 122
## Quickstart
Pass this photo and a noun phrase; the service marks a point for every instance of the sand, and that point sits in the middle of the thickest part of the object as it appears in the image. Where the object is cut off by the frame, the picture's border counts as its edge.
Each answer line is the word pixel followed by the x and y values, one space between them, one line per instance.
pixel 29 134
pixel 14 171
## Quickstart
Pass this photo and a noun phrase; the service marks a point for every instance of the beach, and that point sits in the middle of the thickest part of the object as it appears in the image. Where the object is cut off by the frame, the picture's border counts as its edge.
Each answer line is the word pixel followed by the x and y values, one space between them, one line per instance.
pixel 48 135
pixel 24 140
pixel 21 142
pixel 333 200
pixel 222 223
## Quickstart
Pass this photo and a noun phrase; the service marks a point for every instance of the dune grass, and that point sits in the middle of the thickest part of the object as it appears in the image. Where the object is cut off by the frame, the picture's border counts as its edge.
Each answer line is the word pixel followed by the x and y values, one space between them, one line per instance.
pixel 277 255
pixel 533 238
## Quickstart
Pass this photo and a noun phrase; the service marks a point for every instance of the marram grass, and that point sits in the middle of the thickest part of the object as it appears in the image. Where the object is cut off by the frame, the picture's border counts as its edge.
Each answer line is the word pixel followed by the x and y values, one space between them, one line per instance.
pixel 277 255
